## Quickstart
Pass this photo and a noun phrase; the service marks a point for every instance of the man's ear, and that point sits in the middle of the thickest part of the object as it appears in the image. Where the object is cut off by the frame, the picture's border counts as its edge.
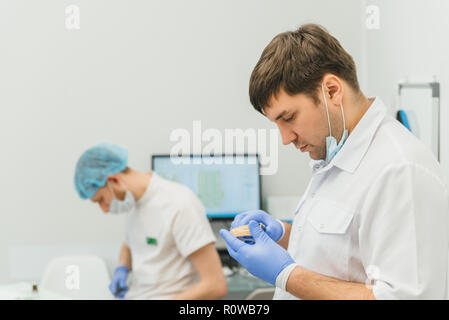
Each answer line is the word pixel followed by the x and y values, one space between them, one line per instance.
pixel 114 179
pixel 334 86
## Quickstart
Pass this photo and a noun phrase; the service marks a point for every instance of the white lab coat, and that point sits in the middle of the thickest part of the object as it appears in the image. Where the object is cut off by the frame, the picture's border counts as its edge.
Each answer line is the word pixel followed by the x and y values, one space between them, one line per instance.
pixel 377 214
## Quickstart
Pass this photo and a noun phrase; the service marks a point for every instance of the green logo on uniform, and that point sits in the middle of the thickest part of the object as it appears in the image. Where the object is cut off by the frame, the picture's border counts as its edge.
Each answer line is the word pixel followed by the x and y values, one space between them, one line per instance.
pixel 151 241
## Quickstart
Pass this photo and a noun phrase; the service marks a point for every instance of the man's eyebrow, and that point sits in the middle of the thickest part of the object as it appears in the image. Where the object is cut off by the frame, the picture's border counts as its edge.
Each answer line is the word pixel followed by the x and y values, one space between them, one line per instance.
pixel 281 114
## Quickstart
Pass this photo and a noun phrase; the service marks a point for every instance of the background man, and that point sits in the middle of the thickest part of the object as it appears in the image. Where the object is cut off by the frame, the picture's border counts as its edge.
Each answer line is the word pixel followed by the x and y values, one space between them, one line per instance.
pixel 169 243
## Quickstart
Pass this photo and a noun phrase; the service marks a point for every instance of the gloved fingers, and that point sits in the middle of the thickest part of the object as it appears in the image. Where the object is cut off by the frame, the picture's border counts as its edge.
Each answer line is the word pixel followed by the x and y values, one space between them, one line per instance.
pixel 258 217
pixel 275 231
pixel 237 220
pixel 233 243
pixel 113 286
pixel 122 284
pixel 245 217
pixel 257 232
pixel 245 220
pixel 231 252
pixel 121 293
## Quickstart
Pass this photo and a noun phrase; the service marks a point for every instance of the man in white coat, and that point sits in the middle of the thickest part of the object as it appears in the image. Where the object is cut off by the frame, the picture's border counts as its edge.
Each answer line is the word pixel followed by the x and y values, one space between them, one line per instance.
pixel 373 222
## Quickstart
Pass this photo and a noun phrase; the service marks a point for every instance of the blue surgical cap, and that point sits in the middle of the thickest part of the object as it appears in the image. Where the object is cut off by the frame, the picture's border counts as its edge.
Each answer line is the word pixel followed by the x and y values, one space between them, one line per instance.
pixel 95 165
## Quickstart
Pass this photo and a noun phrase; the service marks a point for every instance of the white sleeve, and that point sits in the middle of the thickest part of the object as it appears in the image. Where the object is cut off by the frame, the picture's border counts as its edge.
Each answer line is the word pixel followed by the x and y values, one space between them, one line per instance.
pixel 191 229
pixel 403 234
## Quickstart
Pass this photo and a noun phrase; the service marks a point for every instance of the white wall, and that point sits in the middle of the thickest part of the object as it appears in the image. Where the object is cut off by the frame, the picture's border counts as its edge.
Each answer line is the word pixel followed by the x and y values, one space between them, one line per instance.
pixel 135 71
pixel 411 42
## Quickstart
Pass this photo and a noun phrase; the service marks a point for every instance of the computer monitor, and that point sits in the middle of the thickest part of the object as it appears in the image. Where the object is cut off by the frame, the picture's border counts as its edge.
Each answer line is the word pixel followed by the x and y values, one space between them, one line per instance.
pixel 226 184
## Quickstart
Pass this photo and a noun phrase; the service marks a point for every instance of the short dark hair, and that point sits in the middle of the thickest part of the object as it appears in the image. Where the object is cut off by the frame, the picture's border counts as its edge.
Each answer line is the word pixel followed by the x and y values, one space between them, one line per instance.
pixel 296 61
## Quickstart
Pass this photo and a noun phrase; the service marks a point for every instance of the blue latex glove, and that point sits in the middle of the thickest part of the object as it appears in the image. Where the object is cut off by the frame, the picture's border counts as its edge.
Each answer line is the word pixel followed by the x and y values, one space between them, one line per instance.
pixel 274 228
pixel 264 259
pixel 118 285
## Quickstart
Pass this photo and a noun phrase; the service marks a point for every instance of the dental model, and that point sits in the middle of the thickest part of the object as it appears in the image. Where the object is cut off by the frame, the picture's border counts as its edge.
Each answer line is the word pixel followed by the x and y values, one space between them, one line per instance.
pixel 243 233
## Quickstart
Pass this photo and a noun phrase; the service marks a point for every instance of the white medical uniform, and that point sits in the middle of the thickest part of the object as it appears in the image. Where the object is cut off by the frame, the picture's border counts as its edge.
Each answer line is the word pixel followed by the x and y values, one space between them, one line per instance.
pixel 169 224
pixel 377 214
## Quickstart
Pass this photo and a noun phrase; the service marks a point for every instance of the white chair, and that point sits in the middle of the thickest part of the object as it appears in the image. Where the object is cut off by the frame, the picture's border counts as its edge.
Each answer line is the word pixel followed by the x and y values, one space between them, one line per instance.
pixel 77 277
pixel 261 294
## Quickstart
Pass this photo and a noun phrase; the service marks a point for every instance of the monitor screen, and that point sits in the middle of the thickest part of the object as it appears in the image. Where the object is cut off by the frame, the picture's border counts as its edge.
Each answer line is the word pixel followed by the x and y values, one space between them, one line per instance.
pixel 226 185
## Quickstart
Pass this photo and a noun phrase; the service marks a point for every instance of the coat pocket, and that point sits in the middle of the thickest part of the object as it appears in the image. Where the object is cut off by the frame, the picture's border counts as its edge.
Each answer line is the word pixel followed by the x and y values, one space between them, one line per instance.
pixel 330 217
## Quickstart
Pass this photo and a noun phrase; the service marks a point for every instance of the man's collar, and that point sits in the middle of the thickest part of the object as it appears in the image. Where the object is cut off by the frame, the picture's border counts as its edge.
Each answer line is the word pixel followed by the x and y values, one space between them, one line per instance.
pixel 355 147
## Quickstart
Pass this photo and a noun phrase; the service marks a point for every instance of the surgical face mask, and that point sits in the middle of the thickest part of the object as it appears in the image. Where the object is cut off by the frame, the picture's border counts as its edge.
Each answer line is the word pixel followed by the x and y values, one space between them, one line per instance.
pixel 331 143
pixel 121 206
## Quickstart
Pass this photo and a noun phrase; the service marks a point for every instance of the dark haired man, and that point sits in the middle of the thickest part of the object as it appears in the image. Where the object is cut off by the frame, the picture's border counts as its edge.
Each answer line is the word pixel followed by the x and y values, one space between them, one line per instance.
pixel 373 221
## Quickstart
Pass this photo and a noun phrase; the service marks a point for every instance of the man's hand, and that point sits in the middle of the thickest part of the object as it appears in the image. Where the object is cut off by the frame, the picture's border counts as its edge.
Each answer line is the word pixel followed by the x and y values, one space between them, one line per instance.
pixel 118 285
pixel 274 227
pixel 264 259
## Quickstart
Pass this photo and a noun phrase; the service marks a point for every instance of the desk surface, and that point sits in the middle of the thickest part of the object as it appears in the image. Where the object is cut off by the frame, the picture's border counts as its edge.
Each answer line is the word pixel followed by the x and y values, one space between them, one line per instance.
pixel 242 283
pixel 22 291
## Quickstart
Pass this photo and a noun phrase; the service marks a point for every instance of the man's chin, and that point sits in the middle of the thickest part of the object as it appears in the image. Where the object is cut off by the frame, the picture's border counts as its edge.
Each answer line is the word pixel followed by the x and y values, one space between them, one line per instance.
pixel 314 156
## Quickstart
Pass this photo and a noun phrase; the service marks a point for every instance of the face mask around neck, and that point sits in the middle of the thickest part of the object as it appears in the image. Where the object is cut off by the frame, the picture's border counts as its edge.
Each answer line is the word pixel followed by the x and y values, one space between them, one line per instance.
pixel 332 147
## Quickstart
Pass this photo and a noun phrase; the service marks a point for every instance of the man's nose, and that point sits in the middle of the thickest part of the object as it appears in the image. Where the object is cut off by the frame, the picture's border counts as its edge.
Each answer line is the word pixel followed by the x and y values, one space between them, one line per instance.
pixel 287 135
pixel 104 207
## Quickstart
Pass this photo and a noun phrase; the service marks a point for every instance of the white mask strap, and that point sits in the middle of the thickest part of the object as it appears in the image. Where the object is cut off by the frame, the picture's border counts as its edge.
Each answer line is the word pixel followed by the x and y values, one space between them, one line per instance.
pixel 327 111
pixel 112 191
pixel 343 116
